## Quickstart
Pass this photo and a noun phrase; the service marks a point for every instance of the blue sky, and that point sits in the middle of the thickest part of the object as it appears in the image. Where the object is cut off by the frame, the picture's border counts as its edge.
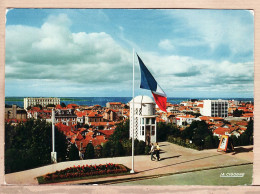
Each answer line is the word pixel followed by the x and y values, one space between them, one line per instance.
pixel 88 52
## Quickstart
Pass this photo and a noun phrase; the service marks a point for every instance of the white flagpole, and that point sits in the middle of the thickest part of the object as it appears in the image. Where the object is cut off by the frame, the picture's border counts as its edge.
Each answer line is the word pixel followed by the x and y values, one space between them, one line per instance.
pixel 132 171
pixel 53 153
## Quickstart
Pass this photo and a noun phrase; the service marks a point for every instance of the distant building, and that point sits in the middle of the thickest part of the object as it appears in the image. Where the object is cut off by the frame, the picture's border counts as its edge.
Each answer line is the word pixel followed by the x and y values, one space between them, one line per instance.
pixel 66 117
pixel 40 101
pixel 15 113
pixel 185 120
pixel 215 108
pixel 114 105
pixel 144 125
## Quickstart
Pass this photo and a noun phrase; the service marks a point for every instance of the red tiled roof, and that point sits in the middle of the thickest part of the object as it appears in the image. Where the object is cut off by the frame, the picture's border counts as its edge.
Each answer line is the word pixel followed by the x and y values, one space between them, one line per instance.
pixel 186 116
pixel 72 106
pixel 115 103
pixel 101 123
pixel 200 106
pixel 204 118
pixel 222 130
pixel 107 133
pixel 95 114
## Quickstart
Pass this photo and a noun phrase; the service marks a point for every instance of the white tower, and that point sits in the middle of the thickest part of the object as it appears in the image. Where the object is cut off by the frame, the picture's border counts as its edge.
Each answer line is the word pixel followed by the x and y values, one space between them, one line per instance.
pixel 144 119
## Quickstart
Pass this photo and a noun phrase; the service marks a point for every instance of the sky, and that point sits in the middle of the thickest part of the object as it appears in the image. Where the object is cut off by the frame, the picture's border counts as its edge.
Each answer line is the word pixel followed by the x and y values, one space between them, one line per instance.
pixel 191 53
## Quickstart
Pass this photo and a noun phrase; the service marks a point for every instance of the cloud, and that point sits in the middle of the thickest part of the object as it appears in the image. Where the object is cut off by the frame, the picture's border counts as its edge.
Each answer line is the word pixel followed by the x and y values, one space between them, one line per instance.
pixel 54 52
pixel 178 73
pixel 166 44
pixel 51 59
pixel 231 30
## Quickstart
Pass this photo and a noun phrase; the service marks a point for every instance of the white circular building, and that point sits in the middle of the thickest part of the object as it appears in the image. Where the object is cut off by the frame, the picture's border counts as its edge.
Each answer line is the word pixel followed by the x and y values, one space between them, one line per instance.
pixel 144 119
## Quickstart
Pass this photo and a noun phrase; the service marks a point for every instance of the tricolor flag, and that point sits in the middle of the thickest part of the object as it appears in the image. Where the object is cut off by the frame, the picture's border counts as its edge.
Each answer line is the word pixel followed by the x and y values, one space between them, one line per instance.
pixel 148 82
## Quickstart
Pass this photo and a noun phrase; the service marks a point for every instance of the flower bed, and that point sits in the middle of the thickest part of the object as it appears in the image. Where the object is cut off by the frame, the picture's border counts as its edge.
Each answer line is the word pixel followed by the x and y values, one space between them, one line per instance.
pixel 85 171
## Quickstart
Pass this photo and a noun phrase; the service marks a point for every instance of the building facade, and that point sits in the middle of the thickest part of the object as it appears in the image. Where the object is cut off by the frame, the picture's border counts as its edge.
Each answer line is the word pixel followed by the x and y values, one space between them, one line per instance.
pixel 40 101
pixel 144 125
pixel 66 117
pixel 215 108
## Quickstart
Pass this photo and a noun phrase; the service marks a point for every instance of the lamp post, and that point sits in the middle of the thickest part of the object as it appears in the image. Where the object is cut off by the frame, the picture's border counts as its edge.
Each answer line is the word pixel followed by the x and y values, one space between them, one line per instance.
pixel 53 153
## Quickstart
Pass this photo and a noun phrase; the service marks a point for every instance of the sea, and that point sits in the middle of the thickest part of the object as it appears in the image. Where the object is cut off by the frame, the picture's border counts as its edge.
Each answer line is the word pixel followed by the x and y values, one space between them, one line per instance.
pixel 90 101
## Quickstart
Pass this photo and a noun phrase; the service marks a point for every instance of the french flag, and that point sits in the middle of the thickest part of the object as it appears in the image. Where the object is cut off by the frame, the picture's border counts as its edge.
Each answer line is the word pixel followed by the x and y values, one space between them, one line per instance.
pixel 148 82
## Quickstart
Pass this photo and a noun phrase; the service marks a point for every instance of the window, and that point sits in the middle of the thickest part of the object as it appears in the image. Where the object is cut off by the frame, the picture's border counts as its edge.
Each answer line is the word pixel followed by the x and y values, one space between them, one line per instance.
pixel 142 130
pixel 142 120
pixel 153 130
pixel 147 120
pixel 153 120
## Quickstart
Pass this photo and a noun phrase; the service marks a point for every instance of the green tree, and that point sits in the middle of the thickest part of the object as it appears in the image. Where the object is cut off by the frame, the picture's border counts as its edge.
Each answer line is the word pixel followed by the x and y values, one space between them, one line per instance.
pixel 89 153
pixel 140 148
pixel 164 130
pixel 73 153
pixel 235 140
pixel 32 141
pixel 98 151
pixel 197 132
pixel 250 131
pixel 118 149
pixel 237 113
pixel 63 104
pixel 106 151
pixel 215 141
pixel 121 132
pixel 208 142
pixel 244 139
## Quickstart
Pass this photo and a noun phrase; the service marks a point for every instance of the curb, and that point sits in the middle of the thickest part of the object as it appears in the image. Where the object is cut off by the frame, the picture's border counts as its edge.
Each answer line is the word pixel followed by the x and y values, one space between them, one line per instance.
pixel 109 182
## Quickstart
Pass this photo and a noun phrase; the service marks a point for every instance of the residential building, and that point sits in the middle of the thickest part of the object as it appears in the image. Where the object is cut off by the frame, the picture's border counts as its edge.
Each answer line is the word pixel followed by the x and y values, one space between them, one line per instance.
pixel 114 105
pixel 40 101
pixel 185 120
pixel 66 117
pixel 215 108
pixel 15 113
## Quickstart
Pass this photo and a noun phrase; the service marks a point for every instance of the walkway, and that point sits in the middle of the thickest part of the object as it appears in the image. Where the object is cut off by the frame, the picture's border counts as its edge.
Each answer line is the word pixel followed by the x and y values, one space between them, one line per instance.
pixel 174 159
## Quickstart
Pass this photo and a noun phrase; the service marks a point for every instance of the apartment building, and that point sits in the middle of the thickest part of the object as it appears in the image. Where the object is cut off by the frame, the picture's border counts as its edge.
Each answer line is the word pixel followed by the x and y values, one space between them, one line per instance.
pixel 215 108
pixel 40 101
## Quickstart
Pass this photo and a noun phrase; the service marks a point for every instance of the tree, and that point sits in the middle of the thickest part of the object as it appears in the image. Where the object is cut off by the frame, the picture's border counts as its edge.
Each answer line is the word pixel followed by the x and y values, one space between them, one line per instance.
pixel 98 151
pixel 208 142
pixel 215 141
pixel 89 153
pixel 197 132
pixel 30 144
pixel 121 132
pixel 244 139
pixel 63 105
pixel 235 140
pixel 106 151
pixel 164 130
pixel 73 153
pixel 86 126
pixel 140 148
pixel 250 131
pixel 118 149
pixel 237 113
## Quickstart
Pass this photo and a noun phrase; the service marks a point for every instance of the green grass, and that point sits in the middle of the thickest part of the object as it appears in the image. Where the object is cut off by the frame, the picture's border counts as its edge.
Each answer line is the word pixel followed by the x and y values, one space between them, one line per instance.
pixel 203 177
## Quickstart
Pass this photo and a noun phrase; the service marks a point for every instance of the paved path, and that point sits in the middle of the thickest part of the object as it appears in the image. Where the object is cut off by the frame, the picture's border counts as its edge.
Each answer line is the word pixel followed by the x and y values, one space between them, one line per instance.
pixel 174 159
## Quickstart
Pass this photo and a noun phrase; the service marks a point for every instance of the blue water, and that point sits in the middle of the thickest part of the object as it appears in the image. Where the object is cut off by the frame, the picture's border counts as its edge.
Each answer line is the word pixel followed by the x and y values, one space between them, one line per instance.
pixel 90 101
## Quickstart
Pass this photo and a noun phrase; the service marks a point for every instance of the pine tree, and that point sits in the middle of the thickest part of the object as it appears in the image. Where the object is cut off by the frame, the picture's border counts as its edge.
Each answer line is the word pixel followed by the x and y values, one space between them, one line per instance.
pixel 73 153
pixel 89 153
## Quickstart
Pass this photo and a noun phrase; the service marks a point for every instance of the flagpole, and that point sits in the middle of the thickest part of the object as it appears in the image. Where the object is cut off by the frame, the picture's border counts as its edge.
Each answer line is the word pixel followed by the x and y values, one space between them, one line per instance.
pixel 132 171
